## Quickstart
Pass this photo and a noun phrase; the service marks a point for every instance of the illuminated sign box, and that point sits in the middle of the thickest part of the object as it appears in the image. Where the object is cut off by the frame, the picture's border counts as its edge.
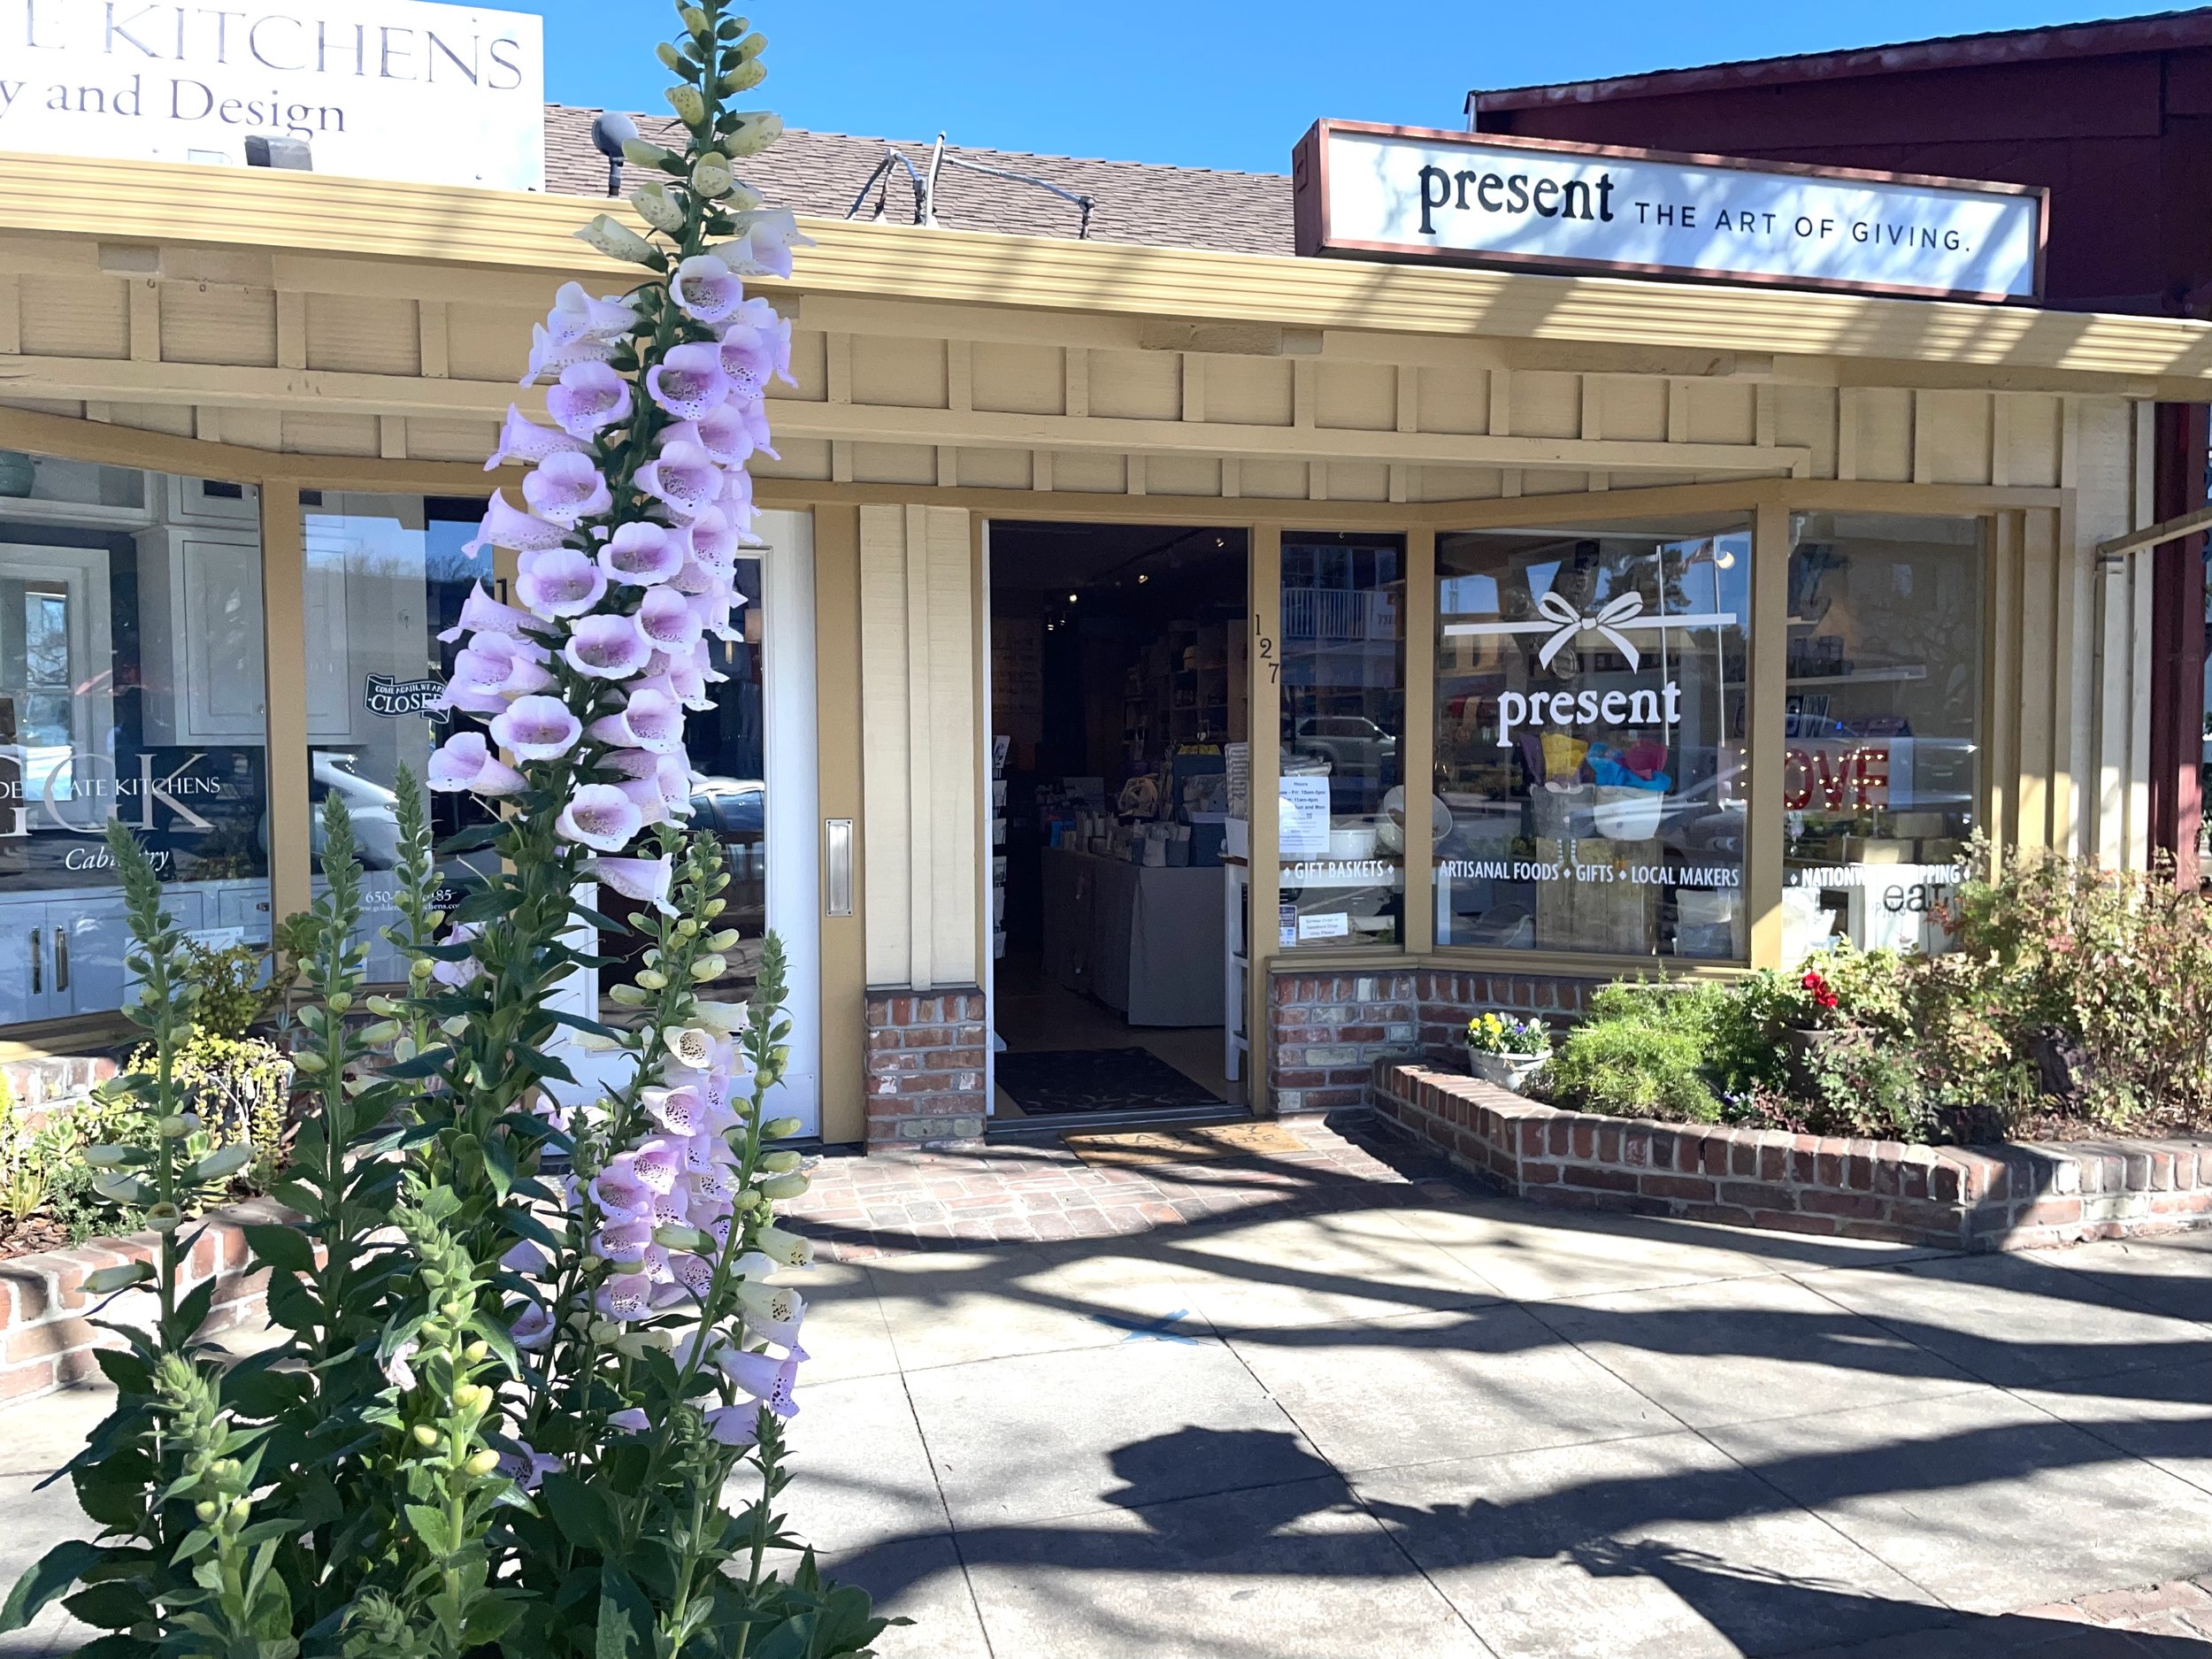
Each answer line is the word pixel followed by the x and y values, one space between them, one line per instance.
pixel 1470 198
pixel 392 89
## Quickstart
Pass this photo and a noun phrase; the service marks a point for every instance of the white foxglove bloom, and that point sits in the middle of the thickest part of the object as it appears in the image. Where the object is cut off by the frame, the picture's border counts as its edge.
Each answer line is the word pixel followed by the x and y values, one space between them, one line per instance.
pixel 645 879
pixel 728 1018
pixel 464 761
pixel 652 720
pixel 577 316
pixel 610 236
pixel 398 1372
pixel 711 177
pixel 658 206
pixel 787 1247
pixel 766 1378
pixel 549 355
pixel 480 613
pixel 507 527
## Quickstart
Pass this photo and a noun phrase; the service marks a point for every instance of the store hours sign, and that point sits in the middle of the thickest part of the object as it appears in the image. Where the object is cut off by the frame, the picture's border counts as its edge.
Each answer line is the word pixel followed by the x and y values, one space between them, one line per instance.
pixel 1481 199
pixel 378 88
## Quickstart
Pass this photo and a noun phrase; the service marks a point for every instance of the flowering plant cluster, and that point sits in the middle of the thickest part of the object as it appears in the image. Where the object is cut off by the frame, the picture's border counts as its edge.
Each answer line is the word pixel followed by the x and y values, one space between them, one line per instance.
pixel 532 1335
pixel 1818 992
pixel 1493 1032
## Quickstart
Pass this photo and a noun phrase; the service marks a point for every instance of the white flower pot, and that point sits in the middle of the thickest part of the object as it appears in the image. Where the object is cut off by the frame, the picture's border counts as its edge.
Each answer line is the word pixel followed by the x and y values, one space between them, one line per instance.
pixel 1507 1070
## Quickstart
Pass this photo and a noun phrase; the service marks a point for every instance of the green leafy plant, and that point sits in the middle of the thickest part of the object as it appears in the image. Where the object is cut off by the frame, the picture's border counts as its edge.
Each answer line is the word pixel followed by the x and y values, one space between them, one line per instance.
pixel 232 994
pixel 1641 1053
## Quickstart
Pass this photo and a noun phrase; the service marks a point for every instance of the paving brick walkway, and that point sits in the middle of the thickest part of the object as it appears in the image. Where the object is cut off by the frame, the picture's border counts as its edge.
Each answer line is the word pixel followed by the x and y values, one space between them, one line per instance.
pixel 863 1209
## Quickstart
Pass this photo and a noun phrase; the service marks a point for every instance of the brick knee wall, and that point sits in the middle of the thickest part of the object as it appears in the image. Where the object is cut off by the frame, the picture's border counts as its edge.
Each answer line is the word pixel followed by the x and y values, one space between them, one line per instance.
pixel 2007 1197
pixel 925 1066
pixel 1329 1030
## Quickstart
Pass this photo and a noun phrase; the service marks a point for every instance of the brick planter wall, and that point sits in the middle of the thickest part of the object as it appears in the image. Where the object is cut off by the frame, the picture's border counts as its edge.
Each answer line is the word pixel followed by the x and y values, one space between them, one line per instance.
pixel 926 1058
pixel 1328 1030
pixel 47 1340
pixel 1977 1198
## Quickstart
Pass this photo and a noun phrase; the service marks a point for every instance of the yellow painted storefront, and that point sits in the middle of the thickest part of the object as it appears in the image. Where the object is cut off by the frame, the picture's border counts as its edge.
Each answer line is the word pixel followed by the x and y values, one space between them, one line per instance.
pixel 294 333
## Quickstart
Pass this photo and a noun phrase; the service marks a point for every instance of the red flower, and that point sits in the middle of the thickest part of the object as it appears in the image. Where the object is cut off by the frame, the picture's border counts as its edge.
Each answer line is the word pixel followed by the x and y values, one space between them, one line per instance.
pixel 1823 997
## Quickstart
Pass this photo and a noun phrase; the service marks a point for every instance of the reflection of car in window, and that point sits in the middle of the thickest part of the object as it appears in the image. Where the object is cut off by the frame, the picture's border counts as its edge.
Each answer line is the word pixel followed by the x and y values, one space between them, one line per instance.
pixel 374 808
pixel 735 810
pixel 1350 743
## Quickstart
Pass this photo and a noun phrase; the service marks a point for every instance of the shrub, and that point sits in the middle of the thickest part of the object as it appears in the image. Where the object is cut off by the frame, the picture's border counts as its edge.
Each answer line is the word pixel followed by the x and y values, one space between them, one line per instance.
pixel 232 994
pixel 1641 1053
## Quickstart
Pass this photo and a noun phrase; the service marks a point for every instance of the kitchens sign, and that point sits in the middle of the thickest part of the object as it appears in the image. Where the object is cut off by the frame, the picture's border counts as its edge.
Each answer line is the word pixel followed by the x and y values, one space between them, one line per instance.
pixel 1482 199
pixel 378 88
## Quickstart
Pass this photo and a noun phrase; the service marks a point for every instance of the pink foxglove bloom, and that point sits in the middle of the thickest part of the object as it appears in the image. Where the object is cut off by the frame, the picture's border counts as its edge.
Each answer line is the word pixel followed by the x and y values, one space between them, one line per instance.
pixel 652 720
pixel 766 1378
pixel 666 617
pixel 659 1162
pixel 454 975
pixel 617 1191
pixel 532 1327
pixel 398 1372
pixel 522 439
pixel 600 817
pixel 480 613
pixel 466 761
pixel 688 381
pixel 644 879
pixel 705 289
pixel 499 665
pixel 755 349
pixel 661 791
pixel 695 1273
pixel 525 1257
pixel 632 1421
pixel 590 396
pixel 684 477
pixel 641 554
pixel 765 247
pixel 550 354
pixel 713 541
pixel 537 728
pixel 607 648
pixel 507 527
pixel 625 1296
pixel 681 1111
pixel 560 582
pixel 771 1314
pixel 738 1425
pixel 577 316
pixel 565 488
pixel 527 1467
pixel 624 1240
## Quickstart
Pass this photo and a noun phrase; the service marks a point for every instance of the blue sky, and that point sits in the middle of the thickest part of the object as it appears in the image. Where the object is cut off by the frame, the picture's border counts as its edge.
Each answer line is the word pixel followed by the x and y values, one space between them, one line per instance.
pixel 1221 83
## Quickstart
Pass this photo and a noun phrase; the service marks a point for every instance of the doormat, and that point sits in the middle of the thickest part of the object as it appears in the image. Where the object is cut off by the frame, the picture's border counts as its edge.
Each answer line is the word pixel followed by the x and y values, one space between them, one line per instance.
pixel 1096 1081
pixel 1141 1147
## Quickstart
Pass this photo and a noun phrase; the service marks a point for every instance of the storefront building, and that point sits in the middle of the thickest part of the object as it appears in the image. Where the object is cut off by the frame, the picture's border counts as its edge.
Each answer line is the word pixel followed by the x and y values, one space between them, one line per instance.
pixel 1716 618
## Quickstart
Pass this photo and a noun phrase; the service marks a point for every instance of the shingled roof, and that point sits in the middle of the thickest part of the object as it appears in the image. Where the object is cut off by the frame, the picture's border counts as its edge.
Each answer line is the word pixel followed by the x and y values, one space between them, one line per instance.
pixel 820 174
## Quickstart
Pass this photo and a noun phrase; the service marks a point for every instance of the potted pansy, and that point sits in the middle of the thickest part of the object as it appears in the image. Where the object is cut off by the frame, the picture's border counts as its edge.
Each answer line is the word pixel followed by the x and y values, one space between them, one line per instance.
pixel 1506 1050
pixel 1812 1021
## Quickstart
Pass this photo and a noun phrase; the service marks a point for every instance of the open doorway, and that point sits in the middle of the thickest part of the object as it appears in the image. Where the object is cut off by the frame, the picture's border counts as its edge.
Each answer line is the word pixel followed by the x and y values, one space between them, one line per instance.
pixel 1120 714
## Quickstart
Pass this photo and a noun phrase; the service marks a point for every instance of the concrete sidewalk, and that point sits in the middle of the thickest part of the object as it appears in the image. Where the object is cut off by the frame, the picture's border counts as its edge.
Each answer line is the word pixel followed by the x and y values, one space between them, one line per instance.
pixel 1433 1425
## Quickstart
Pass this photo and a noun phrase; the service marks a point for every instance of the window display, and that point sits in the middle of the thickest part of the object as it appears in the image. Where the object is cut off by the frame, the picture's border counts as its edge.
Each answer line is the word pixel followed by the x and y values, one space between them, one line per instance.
pixel 1590 724
pixel 1341 823
pixel 1880 767
pixel 131 688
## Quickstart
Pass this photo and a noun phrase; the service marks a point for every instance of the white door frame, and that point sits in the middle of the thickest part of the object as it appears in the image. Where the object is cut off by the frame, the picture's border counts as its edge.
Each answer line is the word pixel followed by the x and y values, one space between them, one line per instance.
pixel 793 826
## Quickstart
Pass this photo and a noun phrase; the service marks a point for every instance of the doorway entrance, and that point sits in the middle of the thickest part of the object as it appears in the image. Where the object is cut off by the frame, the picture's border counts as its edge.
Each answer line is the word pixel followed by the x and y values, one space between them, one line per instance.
pixel 1120 723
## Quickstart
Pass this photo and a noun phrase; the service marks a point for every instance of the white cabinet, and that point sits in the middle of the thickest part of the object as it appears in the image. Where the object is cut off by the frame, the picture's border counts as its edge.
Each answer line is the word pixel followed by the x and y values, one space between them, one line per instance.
pixel 61 954
pixel 200 636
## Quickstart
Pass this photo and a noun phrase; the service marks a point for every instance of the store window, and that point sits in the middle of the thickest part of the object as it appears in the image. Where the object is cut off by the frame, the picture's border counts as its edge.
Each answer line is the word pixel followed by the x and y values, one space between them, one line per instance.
pixel 1881 766
pixel 1342 824
pixel 1591 782
pixel 132 688
pixel 386 576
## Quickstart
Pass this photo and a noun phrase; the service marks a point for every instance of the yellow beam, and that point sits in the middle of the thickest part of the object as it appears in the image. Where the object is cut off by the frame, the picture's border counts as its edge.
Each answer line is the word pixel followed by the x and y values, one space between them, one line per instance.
pixel 164 202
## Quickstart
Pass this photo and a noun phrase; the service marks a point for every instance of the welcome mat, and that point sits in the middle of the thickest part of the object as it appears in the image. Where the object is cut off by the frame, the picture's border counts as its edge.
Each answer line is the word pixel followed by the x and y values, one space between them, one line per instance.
pixel 1096 1081
pixel 1141 1147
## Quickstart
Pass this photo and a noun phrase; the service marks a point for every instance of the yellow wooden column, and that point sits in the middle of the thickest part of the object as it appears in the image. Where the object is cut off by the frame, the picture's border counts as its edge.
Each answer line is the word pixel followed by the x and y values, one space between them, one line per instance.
pixel 1417 742
pixel 1768 690
pixel 1266 868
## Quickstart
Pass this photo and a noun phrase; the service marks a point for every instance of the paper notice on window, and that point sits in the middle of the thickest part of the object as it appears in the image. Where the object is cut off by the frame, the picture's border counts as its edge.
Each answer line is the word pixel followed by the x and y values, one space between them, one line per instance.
pixel 1303 829
pixel 1236 760
pixel 1325 924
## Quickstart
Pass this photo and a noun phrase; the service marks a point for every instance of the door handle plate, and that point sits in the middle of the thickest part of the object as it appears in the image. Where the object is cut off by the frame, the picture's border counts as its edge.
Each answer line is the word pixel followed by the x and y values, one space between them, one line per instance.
pixel 837 866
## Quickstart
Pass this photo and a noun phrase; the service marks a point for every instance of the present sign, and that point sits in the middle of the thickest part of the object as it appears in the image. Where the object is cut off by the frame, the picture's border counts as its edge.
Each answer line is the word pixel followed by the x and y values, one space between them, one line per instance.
pixel 1471 198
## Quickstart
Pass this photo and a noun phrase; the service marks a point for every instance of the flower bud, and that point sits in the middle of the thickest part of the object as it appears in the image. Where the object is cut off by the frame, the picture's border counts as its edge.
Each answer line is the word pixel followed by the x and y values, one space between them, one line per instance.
pixel 206 1510
pixel 425 1435
pixel 418 970
pixel 644 153
pixel 697 21
pixel 780 1163
pixel 618 240
pixel 471 1397
pixel 222 1164
pixel 456 1027
pixel 657 207
pixel 477 1352
pixel 689 105
pixel 652 979
pixel 629 995
pixel 713 908
pixel 673 60
pixel 307 1060
pixel 383 1005
pixel 483 1463
pixel 779 1128
pixel 724 940
pixel 778 1187
pixel 377 1034
pixel 709 967
pixel 240 1511
pixel 754 134
pixel 751 47
pixel 100 1280
pixel 743 78
pixel 604 1331
pixel 403 1049
pixel 339 1001
pixel 687 928
pixel 165 1218
pixel 675 1236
